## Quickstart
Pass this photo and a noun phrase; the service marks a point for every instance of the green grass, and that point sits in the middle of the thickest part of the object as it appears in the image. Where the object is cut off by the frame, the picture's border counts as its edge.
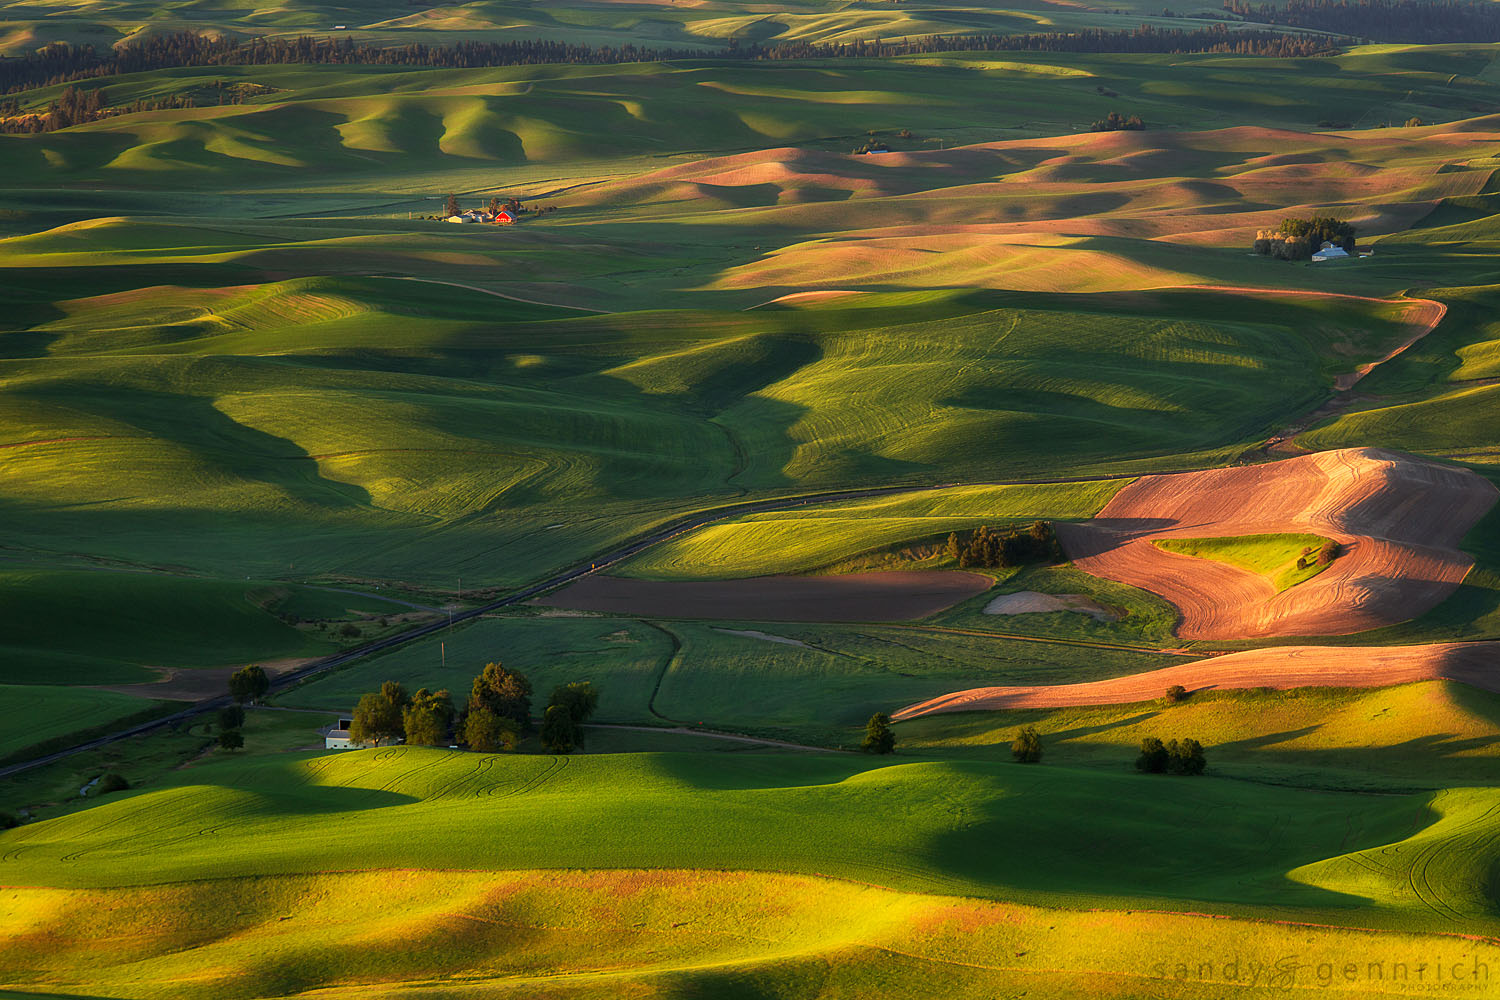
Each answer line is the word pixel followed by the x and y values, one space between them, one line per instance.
pixel 107 626
pixel 34 715
pixel 818 685
pixel 1275 557
pixel 874 531
pixel 1423 735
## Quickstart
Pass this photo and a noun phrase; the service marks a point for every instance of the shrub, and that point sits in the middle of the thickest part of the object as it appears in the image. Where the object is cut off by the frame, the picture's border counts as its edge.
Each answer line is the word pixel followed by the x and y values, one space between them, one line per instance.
pixel 1153 756
pixel 231 739
pixel 1176 693
pixel 349 630
pixel 1026 748
pixel 111 783
pixel 878 735
pixel 1186 757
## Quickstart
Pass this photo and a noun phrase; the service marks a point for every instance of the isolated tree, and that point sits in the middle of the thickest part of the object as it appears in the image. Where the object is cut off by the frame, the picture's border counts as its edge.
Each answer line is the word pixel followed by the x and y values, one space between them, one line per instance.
pixel 111 783
pixel 428 718
pixel 878 735
pixel 1176 693
pixel 248 684
pixel 559 731
pixel 489 733
pixel 231 739
pixel 1026 748
pixel 231 717
pixel 580 698
pixel 1186 757
pixel 378 716
pixel 450 208
pixel 505 692
pixel 1153 756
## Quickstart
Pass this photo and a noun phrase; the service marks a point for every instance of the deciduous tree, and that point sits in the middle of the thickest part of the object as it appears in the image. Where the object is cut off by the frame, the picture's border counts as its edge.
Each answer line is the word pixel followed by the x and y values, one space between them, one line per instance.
pixel 1153 756
pixel 489 733
pixel 428 718
pixel 378 716
pixel 248 684
pixel 559 731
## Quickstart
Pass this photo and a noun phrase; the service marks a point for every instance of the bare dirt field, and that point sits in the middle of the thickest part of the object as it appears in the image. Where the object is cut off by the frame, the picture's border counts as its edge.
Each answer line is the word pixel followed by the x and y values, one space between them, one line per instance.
pixel 854 597
pixel 1280 667
pixel 1399 518
pixel 196 684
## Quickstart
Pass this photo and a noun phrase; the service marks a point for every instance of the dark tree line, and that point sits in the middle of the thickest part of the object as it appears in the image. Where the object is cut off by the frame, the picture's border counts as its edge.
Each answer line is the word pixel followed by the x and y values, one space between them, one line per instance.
pixel 1412 21
pixel 63 63
pixel 1299 239
pixel 493 720
pixel 1176 757
pixel 1116 122
pixel 1015 545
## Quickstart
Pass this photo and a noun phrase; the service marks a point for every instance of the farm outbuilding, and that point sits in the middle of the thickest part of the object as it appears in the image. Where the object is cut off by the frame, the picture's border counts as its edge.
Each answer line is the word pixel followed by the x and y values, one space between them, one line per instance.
pixel 337 738
pixel 1330 252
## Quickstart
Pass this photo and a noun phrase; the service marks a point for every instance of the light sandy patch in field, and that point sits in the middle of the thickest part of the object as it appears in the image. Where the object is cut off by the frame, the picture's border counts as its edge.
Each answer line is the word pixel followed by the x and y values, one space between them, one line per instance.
pixel 1029 602
pixel 750 633
pixel 1281 668
pixel 859 597
pixel 1399 518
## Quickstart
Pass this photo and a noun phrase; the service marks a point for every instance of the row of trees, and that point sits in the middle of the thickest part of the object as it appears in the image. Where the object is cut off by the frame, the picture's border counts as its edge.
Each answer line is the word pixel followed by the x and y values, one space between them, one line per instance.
pixel 1412 21
pixel 1299 239
pixel 1013 545
pixel 493 720
pixel 63 63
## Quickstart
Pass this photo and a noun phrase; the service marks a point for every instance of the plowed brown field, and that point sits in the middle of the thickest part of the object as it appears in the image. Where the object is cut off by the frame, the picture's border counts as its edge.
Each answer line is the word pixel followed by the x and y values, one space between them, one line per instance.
pixel 1399 518
pixel 1281 667
pixel 853 597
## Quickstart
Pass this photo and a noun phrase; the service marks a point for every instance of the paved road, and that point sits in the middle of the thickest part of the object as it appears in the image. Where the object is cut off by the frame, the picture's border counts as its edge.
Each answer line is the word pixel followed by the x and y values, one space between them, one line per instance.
pixel 689 522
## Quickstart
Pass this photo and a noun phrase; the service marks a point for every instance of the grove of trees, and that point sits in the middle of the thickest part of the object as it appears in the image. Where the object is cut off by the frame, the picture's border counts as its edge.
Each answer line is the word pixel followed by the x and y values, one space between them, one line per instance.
pixel 1014 545
pixel 1299 239
pixel 1176 757
pixel 1116 122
